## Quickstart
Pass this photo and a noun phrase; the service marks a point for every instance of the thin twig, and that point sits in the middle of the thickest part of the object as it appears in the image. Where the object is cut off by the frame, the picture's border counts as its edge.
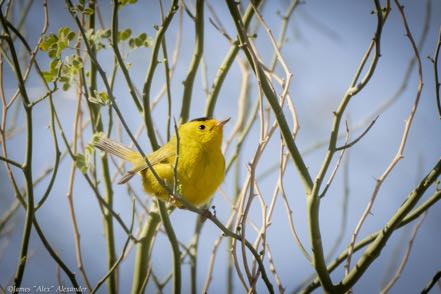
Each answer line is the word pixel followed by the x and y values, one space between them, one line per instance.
pixel 337 165
pixel 432 283
pixel 197 55
pixel 168 226
pixel 119 58
pixel 400 152
pixel 174 59
pixel 109 273
pixel 349 145
pixel 70 202
pixel 405 256
pixel 434 61
pixel 27 166
pixel 274 271
pixel 369 239
pixel 226 64
pixel 11 162
pixel 289 211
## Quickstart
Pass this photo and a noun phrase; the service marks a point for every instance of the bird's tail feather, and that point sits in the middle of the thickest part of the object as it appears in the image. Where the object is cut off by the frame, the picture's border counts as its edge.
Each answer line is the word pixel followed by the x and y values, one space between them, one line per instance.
pixel 119 150
pixel 125 153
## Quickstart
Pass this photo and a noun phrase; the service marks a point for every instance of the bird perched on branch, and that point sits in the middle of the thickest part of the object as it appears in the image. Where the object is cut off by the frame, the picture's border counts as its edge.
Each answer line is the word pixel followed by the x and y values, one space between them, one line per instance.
pixel 200 165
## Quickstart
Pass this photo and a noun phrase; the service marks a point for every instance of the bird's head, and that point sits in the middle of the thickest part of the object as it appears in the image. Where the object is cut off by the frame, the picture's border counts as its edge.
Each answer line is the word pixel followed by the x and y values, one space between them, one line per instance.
pixel 203 130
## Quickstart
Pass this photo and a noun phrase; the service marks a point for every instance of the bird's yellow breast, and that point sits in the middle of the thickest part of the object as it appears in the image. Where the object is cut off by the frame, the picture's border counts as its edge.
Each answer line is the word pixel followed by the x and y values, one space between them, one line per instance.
pixel 200 171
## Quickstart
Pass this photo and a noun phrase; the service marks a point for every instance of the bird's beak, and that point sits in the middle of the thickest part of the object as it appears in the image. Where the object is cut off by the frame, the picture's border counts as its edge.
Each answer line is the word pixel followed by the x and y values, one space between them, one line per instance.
pixel 223 122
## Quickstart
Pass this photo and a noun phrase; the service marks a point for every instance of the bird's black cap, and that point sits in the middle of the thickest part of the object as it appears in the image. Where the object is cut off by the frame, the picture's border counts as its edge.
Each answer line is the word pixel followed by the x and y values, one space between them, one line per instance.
pixel 205 118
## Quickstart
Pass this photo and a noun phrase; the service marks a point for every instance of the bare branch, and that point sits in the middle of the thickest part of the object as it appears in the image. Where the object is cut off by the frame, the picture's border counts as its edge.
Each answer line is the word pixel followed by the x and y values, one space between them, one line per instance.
pixel 349 145
pixel 400 151
pixel 434 61
pixel 405 256
pixel 436 278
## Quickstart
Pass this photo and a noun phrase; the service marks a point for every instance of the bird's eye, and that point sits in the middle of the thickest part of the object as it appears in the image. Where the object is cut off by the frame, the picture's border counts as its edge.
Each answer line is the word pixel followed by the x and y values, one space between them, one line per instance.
pixel 201 127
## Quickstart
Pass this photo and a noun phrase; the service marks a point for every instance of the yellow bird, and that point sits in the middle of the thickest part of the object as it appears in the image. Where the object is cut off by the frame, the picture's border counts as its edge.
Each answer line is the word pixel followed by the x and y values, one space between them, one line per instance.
pixel 201 164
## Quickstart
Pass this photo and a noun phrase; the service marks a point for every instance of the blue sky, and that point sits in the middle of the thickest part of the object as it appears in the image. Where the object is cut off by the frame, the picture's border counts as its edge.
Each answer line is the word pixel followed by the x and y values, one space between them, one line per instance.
pixel 325 43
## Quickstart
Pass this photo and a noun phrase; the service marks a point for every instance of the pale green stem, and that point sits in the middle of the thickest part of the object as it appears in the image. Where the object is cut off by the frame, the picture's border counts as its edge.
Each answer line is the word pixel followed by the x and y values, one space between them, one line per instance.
pixel 197 55
pixel 226 64
pixel 143 251
pixel 27 166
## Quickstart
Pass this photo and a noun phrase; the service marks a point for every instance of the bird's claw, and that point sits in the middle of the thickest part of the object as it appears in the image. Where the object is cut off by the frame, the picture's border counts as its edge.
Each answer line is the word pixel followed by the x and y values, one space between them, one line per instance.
pixel 206 213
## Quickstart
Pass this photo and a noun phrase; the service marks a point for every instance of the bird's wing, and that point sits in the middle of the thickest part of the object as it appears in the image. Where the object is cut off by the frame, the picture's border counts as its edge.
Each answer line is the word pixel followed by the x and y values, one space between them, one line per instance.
pixel 117 149
pixel 164 153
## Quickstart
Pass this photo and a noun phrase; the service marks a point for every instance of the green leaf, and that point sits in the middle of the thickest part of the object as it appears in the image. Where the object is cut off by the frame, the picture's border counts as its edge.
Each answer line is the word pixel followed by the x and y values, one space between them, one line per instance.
pixel 142 36
pixel 99 98
pixel 81 162
pixel 77 62
pixel 104 97
pixel 48 76
pixel 106 33
pixel 132 43
pixel 94 100
pixel 148 43
pixel 63 32
pixel 89 33
pixel 71 36
pixel 64 79
pixel 54 65
pixel 88 11
pixel 52 53
pixel 100 46
pixel 138 42
pixel 124 35
pixel 66 86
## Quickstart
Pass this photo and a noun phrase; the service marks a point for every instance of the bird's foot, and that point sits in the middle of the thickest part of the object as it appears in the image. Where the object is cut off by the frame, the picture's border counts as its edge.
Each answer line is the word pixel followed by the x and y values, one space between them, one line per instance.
pixel 206 213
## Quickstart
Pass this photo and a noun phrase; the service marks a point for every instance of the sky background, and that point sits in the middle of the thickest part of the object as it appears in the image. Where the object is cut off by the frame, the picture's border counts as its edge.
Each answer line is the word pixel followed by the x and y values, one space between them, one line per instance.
pixel 325 43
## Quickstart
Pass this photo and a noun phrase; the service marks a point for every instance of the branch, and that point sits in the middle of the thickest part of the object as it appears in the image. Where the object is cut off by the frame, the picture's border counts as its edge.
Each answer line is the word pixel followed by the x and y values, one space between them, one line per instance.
pixel 226 64
pixel 174 245
pixel 11 162
pixel 121 63
pixel 313 202
pixel 405 257
pixel 285 19
pixel 8 214
pixel 115 266
pixel 197 55
pixel 70 202
pixel 48 94
pixel 289 211
pixel 168 75
pixel 97 126
pixel 54 255
pixel 271 97
pixel 337 165
pixel 103 76
pixel 400 152
pixel 349 145
pixel 434 61
pixel 27 166
pixel 399 91
pixel 375 248
pixel 206 214
pixel 414 214
pixel 435 278
pixel 143 251
pixel 151 71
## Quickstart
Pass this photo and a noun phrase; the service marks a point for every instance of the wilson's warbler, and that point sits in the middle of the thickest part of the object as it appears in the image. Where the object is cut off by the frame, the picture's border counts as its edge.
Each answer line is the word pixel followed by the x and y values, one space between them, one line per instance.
pixel 201 165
